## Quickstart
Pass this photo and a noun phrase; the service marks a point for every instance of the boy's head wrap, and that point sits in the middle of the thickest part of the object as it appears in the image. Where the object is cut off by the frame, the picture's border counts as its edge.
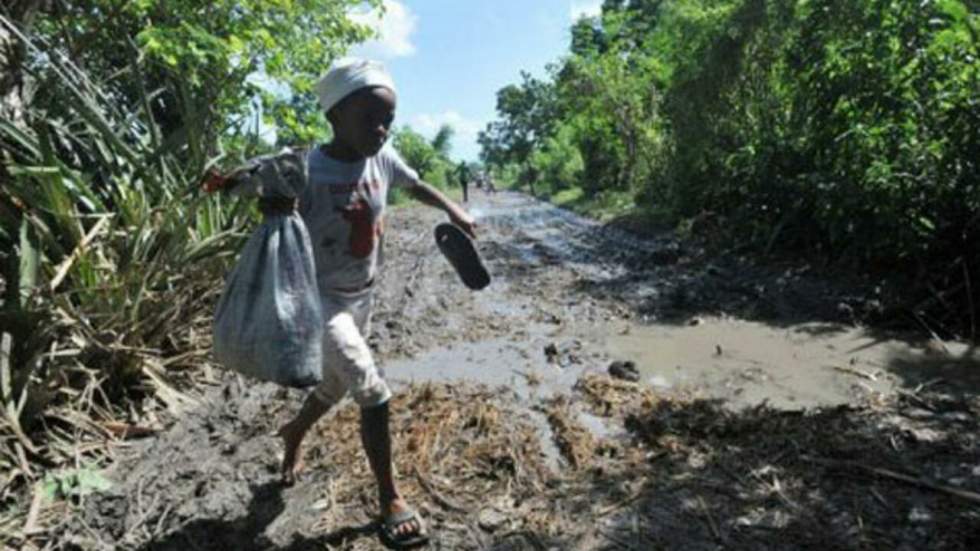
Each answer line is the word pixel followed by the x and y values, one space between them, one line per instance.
pixel 349 76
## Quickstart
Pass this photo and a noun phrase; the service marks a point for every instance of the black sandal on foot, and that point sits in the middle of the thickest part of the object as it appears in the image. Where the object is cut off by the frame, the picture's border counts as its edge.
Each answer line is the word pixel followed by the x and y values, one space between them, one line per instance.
pixel 388 531
pixel 461 252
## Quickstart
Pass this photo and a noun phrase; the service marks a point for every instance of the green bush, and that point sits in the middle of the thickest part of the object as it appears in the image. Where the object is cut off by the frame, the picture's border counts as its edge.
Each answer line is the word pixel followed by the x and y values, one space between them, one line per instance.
pixel 430 159
pixel 116 253
pixel 846 129
pixel 112 255
pixel 558 162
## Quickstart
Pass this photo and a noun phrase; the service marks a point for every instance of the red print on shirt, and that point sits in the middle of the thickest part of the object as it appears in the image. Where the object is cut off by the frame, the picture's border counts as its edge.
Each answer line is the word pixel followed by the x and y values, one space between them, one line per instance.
pixel 364 231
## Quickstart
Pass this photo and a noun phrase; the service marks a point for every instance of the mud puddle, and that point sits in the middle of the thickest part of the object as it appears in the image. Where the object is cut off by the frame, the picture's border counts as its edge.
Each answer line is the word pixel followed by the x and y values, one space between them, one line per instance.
pixel 713 325
pixel 746 363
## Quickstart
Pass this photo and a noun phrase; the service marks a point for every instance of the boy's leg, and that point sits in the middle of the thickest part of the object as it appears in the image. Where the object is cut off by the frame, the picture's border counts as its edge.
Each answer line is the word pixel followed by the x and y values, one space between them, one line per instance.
pixel 329 392
pixel 349 368
pixel 293 432
pixel 371 392
pixel 376 437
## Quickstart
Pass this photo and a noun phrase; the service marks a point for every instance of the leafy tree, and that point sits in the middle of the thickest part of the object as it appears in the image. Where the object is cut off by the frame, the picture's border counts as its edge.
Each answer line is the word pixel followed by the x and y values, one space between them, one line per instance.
pixel 558 162
pixel 442 142
pixel 848 129
pixel 528 113
pixel 430 159
pixel 197 58
pixel 110 110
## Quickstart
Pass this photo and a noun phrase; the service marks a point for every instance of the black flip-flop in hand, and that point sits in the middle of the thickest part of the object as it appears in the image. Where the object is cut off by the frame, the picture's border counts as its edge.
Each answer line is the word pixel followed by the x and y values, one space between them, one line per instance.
pixel 461 252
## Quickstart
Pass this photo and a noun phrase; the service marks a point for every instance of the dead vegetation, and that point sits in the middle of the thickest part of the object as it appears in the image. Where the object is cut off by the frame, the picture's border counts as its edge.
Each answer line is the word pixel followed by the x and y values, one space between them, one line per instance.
pixel 576 443
pixel 607 396
pixel 687 474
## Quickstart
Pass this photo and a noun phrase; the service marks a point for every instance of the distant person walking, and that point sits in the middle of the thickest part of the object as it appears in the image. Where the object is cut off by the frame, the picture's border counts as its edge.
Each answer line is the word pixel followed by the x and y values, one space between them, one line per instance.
pixel 463 173
pixel 488 184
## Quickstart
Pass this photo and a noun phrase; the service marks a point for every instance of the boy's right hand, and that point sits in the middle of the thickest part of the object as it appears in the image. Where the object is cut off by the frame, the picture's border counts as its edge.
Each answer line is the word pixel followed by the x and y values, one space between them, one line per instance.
pixel 213 181
pixel 270 206
pixel 464 221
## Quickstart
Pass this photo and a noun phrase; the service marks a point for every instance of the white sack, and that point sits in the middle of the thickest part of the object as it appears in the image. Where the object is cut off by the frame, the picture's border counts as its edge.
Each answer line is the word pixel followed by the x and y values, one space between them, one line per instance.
pixel 269 323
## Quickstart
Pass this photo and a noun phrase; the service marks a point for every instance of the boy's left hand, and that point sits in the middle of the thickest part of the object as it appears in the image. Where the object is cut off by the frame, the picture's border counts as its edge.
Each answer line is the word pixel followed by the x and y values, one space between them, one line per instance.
pixel 465 222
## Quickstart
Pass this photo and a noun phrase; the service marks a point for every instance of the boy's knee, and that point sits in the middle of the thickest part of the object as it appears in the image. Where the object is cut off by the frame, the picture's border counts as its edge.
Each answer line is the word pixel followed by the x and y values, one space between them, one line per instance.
pixel 375 408
pixel 327 395
pixel 372 396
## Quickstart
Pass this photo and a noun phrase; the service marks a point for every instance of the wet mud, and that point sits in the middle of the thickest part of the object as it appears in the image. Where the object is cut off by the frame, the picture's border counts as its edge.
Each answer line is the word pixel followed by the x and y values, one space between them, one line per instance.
pixel 761 396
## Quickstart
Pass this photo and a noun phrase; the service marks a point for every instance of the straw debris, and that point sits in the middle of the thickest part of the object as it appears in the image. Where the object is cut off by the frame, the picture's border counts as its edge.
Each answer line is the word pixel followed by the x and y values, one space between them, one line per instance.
pixel 606 395
pixel 577 444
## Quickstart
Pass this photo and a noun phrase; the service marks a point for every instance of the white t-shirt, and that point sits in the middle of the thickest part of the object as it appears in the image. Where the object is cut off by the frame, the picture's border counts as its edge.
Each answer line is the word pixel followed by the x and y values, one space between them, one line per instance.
pixel 343 205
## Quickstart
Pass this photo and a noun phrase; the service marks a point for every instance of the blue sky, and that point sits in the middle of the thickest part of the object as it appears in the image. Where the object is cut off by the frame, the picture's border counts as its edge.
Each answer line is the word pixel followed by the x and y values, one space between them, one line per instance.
pixel 449 57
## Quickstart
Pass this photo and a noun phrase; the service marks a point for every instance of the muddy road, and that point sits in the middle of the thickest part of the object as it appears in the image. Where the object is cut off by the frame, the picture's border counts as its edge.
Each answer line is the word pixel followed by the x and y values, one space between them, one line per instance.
pixel 759 396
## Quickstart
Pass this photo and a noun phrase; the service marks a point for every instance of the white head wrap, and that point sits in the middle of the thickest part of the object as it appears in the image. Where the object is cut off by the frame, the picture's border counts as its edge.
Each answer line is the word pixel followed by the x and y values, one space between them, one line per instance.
pixel 349 76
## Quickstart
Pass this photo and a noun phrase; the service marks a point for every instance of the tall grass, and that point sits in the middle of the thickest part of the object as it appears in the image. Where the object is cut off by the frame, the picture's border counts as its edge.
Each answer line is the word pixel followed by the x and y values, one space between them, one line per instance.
pixel 115 259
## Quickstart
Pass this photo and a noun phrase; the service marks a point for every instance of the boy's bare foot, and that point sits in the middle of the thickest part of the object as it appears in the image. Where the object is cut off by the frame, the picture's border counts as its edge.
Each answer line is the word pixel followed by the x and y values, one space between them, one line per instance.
pixel 292 460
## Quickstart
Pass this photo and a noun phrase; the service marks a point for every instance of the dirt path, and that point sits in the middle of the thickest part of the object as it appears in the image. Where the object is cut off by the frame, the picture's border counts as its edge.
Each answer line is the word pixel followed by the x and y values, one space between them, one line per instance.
pixel 758 398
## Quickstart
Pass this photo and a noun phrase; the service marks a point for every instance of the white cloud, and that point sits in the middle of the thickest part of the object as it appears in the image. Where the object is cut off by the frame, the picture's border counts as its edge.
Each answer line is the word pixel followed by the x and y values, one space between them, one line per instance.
pixel 465 130
pixel 394 28
pixel 585 8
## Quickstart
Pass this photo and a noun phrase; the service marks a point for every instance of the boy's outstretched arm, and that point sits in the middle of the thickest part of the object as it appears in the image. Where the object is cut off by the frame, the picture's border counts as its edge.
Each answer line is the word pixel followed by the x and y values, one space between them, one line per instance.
pixel 434 198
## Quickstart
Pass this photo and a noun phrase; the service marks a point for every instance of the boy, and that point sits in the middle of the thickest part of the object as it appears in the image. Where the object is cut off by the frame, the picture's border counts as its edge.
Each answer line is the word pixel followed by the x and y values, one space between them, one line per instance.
pixel 343 206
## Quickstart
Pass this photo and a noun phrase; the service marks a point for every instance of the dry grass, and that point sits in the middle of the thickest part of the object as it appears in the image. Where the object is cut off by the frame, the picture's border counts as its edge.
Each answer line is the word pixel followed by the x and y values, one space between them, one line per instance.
pixel 689 474
pixel 457 448
pixel 607 396
pixel 576 443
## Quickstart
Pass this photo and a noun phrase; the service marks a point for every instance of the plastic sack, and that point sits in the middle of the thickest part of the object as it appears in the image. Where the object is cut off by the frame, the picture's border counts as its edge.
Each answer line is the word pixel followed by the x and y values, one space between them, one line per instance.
pixel 268 323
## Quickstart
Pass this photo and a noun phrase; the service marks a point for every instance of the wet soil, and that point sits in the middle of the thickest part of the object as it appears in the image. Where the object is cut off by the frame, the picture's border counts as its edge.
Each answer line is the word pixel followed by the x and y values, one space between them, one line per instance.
pixel 767 416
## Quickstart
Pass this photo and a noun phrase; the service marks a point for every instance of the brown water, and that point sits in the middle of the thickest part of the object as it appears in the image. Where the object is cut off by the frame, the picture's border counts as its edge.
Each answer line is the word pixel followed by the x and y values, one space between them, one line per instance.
pixel 746 363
